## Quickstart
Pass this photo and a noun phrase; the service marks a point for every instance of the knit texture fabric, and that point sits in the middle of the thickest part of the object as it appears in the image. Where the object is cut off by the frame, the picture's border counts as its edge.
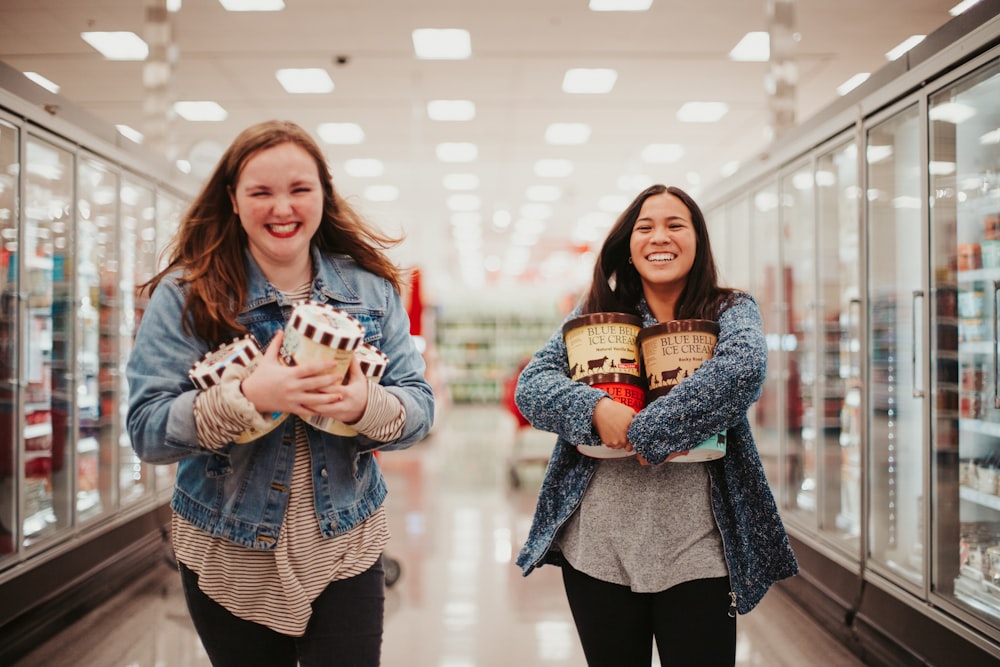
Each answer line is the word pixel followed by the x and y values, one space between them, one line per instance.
pixel 715 398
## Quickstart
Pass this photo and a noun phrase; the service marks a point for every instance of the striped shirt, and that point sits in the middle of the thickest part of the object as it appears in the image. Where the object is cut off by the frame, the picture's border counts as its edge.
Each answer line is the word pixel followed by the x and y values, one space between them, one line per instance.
pixel 276 588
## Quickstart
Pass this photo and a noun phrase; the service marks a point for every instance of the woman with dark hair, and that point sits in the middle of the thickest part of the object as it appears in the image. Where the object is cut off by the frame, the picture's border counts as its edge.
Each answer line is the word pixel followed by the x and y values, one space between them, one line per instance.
pixel 651 549
pixel 278 535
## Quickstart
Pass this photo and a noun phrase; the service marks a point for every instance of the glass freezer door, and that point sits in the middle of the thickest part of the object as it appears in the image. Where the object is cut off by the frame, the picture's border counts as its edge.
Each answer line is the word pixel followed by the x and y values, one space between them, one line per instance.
pixel 897 311
pixel 965 217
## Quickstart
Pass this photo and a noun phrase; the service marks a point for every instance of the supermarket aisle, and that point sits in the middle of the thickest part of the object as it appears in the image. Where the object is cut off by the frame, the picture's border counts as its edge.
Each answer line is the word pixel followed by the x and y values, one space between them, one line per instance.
pixel 460 602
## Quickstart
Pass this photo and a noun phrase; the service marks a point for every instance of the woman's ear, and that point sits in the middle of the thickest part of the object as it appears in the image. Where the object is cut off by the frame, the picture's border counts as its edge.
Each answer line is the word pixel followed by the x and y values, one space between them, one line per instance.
pixel 232 198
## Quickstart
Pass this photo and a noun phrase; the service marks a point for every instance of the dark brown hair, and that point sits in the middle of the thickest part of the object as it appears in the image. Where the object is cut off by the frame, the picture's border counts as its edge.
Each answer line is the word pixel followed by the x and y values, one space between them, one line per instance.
pixel 617 287
pixel 210 243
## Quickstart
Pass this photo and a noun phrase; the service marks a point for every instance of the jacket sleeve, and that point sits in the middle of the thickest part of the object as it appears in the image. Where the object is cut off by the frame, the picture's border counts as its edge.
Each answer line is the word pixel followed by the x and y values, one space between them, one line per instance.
pixel 551 401
pixel 715 397
pixel 160 417
pixel 405 377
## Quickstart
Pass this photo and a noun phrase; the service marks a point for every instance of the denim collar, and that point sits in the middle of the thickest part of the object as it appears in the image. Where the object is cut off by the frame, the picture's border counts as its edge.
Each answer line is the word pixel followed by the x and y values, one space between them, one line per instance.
pixel 328 280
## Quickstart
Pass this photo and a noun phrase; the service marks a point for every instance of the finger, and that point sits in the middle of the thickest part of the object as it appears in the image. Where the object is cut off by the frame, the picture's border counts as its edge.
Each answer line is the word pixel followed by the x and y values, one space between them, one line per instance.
pixel 275 345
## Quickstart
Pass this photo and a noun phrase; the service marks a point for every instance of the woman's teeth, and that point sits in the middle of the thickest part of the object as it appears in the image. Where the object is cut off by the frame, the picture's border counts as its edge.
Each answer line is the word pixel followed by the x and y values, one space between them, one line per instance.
pixel 285 228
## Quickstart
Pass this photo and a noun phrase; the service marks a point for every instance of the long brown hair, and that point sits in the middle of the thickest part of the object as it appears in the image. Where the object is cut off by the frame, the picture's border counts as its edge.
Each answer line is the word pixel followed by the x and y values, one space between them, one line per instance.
pixel 617 286
pixel 210 243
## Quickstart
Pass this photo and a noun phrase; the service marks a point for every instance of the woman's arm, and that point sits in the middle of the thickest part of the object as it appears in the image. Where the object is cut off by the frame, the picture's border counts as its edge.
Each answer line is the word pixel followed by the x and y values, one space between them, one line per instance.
pixel 714 397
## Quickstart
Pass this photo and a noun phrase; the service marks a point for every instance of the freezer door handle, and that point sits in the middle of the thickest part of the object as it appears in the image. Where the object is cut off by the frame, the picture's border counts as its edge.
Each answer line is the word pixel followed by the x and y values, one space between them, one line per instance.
pixel 917 294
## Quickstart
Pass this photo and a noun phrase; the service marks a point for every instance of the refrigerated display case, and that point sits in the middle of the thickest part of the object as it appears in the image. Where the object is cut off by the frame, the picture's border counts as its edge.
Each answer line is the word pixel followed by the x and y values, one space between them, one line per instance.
pixel 897 303
pixel 964 172
pixel 874 251
pixel 81 218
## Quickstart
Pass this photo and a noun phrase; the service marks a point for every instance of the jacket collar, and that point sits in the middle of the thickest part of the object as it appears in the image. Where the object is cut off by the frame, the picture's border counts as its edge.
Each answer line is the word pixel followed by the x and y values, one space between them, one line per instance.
pixel 328 279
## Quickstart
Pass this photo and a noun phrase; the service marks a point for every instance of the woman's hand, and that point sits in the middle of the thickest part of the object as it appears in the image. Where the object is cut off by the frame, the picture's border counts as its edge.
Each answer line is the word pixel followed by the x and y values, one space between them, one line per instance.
pixel 611 420
pixel 305 389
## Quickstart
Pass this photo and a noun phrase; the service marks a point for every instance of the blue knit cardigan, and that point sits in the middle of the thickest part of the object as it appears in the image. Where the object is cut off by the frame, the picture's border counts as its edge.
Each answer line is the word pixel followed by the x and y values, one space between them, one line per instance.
pixel 714 398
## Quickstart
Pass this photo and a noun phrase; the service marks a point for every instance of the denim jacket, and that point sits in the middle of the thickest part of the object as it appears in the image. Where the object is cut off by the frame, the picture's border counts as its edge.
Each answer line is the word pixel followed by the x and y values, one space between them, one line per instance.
pixel 241 492
pixel 714 398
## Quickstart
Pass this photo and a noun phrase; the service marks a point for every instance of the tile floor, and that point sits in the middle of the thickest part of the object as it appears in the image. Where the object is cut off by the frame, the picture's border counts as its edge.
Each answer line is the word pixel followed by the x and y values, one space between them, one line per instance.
pixel 458 520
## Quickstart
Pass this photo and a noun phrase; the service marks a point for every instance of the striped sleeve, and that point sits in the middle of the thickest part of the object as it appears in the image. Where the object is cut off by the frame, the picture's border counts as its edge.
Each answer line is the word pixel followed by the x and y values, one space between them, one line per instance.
pixel 222 412
pixel 384 417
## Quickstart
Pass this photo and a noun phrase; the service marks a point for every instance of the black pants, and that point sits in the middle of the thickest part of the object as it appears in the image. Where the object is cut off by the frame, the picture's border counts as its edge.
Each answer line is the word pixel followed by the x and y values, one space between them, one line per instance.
pixel 345 628
pixel 690 622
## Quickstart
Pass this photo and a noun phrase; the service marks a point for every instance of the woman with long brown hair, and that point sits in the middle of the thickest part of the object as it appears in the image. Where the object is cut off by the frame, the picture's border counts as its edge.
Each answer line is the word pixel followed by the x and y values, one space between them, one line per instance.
pixel 654 550
pixel 278 524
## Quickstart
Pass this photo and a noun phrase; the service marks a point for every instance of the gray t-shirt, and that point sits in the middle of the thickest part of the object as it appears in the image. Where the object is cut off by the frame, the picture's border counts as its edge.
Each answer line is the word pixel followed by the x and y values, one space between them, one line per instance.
pixel 646 527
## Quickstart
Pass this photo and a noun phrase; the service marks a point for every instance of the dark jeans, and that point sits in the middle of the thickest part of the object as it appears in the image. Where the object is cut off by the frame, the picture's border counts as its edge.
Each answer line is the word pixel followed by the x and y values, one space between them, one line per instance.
pixel 690 622
pixel 345 628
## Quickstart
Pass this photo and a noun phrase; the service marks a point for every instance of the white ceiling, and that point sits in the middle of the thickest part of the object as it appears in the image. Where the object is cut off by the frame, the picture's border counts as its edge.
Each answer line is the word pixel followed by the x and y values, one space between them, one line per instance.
pixel 674 53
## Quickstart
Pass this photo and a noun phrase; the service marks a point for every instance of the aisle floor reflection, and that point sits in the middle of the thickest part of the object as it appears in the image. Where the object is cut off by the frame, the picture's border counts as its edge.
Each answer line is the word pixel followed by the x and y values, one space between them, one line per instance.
pixel 457 518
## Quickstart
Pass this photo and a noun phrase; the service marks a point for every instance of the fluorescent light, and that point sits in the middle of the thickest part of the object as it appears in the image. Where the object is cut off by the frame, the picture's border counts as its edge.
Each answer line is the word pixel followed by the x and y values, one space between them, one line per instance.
pixel 451 110
pixel 460 181
pixel 200 110
pixel 130 133
pixel 951 112
pixel 117 45
pixel 852 83
pixel 584 80
pixel 553 168
pixel 702 112
pixel 990 138
pixel 364 168
pixel 252 5
pixel 567 133
pixel 341 133
pixel 442 43
pixel 961 7
pixel 620 5
pixel 896 52
pixel 174 6
pixel 457 151
pixel 381 193
pixel 305 80
pixel 43 82
pixel 755 47
pixel 662 153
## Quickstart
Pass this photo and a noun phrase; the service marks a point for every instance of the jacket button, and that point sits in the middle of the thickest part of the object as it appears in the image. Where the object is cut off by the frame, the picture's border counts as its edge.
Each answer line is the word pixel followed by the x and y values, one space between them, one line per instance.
pixel 323 473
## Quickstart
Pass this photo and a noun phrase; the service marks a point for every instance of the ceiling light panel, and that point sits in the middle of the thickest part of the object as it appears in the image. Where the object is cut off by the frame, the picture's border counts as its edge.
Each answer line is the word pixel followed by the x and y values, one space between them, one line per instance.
pixel 200 111
pixel 754 47
pixel 305 80
pixel 594 81
pixel 702 112
pixel 897 52
pixel 252 5
pixel 451 110
pixel 620 5
pixel 442 43
pixel 118 45
pixel 341 133
pixel 43 82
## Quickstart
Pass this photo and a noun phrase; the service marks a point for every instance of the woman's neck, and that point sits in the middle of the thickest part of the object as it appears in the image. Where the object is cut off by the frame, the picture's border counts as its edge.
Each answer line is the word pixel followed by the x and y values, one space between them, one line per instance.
pixel 289 277
pixel 661 305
